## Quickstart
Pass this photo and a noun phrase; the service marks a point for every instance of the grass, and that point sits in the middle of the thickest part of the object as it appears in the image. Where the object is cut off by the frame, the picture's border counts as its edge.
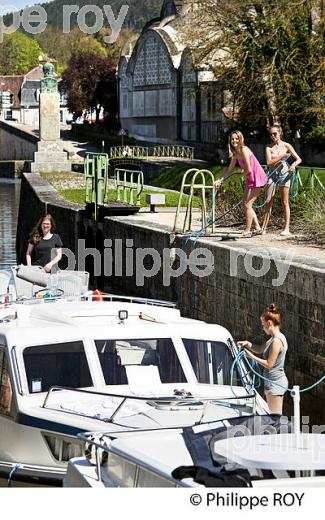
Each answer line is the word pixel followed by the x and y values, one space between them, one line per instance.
pixel 78 197
pixel 171 178
pixel 311 218
pixel 71 187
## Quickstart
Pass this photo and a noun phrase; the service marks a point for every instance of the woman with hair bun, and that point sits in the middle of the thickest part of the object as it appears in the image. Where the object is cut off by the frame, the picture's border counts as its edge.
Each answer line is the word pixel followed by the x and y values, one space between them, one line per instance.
pixel 273 356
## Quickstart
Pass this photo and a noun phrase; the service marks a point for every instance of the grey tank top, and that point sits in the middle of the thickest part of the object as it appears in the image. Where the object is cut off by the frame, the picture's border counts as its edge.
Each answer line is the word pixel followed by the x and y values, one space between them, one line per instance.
pixel 278 370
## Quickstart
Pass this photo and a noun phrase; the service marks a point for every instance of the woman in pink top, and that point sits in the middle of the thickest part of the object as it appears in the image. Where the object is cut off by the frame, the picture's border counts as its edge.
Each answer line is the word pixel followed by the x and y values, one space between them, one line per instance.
pixel 255 176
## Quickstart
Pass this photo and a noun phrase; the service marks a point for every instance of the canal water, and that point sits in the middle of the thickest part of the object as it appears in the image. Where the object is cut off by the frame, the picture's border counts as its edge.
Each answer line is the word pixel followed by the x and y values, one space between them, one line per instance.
pixel 9 204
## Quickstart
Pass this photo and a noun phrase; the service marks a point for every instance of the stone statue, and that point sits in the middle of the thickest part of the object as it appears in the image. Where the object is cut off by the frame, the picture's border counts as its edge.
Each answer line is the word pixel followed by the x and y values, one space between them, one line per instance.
pixel 49 83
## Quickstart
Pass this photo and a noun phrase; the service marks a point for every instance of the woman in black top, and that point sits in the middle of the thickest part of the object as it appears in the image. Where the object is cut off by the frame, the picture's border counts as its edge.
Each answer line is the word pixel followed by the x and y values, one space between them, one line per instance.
pixel 44 246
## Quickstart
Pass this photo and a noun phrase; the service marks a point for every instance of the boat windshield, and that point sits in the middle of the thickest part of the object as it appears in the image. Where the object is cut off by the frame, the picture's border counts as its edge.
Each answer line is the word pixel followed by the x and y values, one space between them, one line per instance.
pixel 211 361
pixel 117 355
pixel 60 364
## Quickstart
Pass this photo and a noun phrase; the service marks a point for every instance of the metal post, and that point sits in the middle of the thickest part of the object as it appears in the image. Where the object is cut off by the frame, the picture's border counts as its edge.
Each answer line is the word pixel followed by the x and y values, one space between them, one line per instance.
pixel 312 179
pixel 131 190
pixel 296 414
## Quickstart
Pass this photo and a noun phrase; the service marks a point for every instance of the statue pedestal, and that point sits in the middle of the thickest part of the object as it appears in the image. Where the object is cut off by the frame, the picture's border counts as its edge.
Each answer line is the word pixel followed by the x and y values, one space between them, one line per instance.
pixel 50 156
pixel 49 112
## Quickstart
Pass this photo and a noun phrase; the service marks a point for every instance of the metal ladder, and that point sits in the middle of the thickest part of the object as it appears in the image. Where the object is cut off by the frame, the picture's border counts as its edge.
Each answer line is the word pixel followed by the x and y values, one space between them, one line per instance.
pixel 203 175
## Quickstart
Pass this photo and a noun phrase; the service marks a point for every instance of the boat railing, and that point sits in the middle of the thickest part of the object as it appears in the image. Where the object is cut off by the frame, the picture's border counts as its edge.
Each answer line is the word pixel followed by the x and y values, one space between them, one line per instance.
pixel 194 401
pixel 129 299
pixel 52 294
pixel 88 439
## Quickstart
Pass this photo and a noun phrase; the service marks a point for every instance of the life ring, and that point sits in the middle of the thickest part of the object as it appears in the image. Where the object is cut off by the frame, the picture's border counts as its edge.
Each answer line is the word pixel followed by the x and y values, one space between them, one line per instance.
pixel 97 296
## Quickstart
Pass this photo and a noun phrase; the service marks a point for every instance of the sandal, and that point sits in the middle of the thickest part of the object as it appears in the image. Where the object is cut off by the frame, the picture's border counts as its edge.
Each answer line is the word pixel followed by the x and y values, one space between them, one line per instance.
pixel 260 231
pixel 285 233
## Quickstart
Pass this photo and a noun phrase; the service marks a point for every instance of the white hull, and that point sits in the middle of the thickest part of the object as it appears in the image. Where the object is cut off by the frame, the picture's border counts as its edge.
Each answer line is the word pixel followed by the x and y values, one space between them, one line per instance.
pixel 62 343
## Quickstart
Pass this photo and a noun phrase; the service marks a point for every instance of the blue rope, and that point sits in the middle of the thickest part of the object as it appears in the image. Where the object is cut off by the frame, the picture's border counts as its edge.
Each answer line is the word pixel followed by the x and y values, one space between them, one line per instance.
pixel 210 220
pixel 314 385
pixel 276 170
pixel 232 368
pixel 294 185
pixel 263 377
pixel 11 474
pixel 260 376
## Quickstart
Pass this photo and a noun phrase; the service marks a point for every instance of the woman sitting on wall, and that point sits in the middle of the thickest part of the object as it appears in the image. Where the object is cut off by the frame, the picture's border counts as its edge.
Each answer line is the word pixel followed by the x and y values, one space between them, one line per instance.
pixel 44 246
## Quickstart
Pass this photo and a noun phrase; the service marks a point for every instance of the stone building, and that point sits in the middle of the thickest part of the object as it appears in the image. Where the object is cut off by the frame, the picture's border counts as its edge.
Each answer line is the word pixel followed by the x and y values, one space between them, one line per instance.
pixel 164 96
pixel 25 90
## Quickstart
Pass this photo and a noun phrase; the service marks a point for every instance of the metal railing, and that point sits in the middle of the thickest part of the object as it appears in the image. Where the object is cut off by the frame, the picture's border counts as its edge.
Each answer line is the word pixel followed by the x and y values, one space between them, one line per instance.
pixel 129 184
pixel 182 152
pixel 132 299
pixel 312 177
pixel 203 188
pixel 165 400
pixel 128 151
pixel 176 151
pixel 96 178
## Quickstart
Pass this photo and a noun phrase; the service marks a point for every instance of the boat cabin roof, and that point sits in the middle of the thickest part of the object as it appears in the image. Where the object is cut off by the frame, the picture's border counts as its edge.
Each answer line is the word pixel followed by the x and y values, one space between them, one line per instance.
pixel 63 321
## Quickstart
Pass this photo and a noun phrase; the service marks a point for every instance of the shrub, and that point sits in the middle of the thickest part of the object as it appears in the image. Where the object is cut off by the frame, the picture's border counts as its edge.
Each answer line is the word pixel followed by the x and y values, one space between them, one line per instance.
pixel 316 137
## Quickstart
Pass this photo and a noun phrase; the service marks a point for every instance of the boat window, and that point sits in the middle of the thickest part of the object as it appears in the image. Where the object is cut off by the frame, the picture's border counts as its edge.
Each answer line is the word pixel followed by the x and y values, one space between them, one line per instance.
pixel 60 364
pixel 115 355
pixel 5 385
pixel 211 361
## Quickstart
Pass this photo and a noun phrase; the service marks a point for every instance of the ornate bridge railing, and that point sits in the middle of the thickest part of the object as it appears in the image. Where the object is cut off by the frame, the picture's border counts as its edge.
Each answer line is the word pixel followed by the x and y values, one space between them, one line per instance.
pixel 177 151
pixel 182 152
pixel 128 151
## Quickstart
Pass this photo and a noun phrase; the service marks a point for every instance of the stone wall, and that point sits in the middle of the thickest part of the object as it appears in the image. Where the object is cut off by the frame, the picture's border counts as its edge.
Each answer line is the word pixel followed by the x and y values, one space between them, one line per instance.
pixel 236 302
pixel 16 144
pixel 228 296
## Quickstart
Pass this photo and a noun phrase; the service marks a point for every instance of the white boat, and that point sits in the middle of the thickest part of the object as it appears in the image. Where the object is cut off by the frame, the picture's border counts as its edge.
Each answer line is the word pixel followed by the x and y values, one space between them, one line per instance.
pixel 202 455
pixel 76 366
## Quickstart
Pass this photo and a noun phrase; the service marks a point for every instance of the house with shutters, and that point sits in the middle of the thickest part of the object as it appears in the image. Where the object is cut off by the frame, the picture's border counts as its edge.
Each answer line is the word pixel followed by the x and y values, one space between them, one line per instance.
pixel 23 91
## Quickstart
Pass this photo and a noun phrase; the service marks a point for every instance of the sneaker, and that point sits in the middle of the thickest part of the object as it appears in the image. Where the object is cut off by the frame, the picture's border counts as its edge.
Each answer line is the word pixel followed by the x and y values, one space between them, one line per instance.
pixel 285 233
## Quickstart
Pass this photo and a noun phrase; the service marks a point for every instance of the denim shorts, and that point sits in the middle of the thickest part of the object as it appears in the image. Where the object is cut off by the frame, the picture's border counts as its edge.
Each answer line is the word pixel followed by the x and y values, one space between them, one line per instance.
pixel 281 179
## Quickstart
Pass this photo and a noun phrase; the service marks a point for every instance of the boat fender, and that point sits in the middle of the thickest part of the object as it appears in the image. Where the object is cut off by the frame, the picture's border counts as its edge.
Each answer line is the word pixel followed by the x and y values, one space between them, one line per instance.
pixel 97 296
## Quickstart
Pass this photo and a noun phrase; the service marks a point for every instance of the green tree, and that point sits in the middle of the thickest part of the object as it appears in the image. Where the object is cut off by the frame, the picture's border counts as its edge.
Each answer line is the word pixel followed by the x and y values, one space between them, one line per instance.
pixel 62 46
pixel 18 54
pixel 269 55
